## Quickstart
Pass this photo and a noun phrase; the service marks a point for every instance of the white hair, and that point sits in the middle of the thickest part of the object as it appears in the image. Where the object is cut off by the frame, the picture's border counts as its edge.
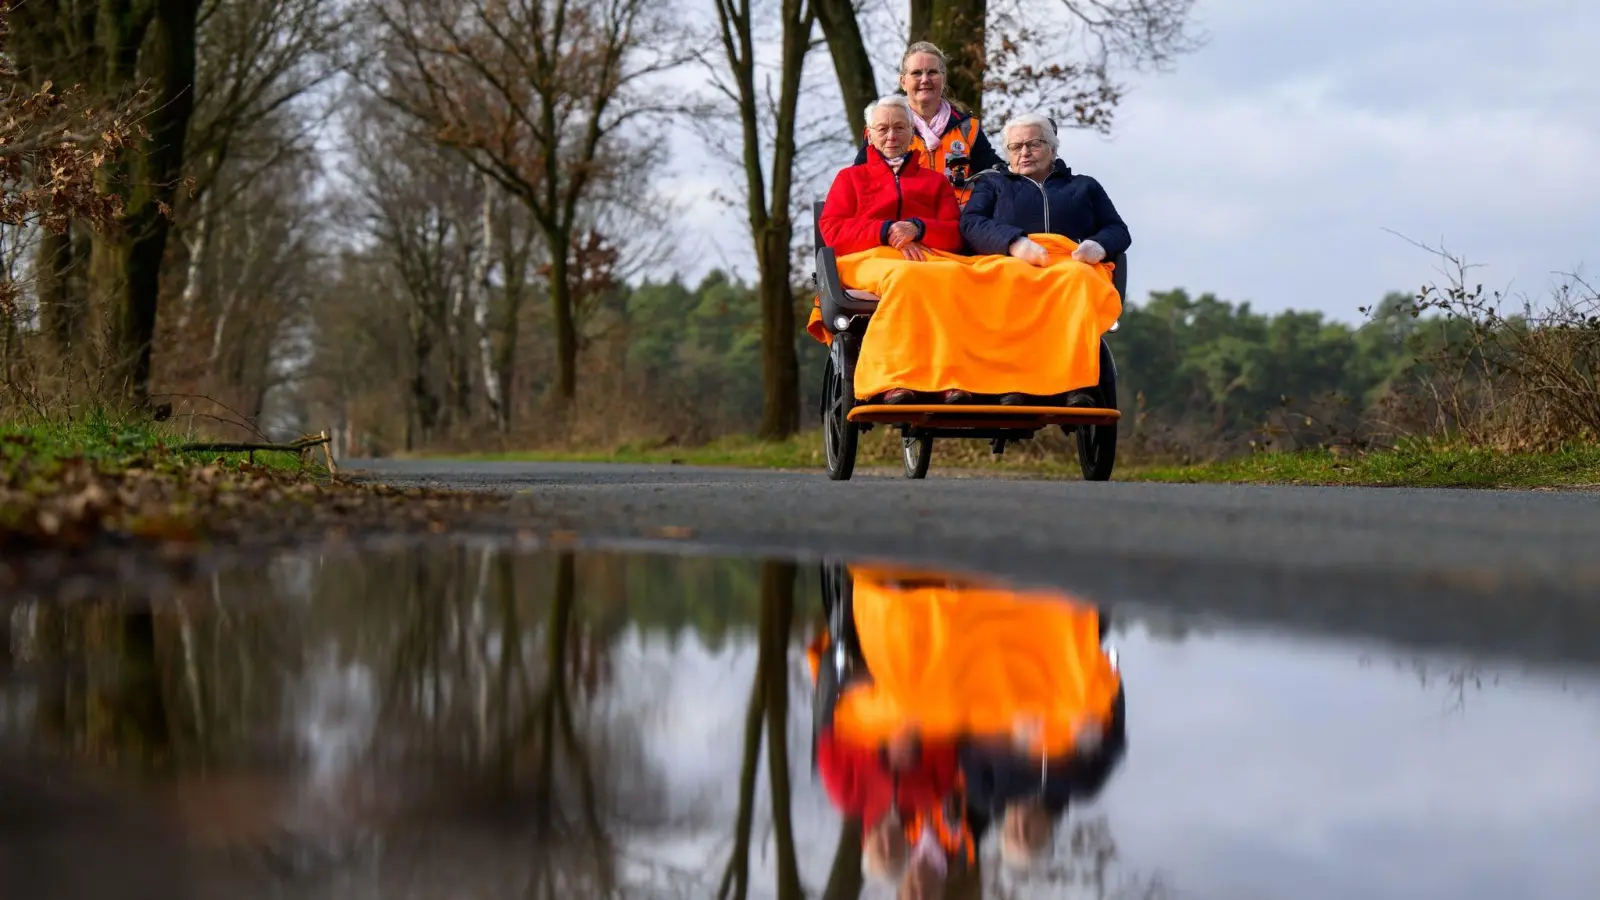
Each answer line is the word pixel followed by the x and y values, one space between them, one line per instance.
pixel 897 101
pixel 1033 119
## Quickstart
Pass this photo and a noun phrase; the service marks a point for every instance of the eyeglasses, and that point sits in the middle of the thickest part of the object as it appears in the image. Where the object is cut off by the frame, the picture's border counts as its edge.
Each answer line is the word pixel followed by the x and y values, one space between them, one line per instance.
pixel 1033 146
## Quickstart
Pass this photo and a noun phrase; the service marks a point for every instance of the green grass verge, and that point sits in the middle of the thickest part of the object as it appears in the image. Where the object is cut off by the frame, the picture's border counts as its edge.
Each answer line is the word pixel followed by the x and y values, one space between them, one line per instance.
pixel 111 442
pixel 1418 465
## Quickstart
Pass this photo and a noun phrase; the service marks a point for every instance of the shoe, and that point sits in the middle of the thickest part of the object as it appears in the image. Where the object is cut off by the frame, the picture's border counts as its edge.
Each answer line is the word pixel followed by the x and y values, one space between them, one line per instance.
pixel 1014 400
pixel 956 395
pixel 898 395
pixel 1082 399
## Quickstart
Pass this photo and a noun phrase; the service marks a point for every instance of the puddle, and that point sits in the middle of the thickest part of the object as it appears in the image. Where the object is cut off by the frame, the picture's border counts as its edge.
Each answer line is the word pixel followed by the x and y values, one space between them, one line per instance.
pixel 469 722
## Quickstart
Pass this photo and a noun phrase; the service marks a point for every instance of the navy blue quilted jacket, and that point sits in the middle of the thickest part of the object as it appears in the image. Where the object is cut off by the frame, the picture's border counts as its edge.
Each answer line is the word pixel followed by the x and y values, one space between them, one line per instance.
pixel 1005 206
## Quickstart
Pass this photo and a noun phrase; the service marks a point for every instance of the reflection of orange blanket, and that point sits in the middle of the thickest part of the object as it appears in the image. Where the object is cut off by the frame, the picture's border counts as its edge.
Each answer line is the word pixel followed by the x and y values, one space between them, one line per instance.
pixel 975 661
pixel 985 324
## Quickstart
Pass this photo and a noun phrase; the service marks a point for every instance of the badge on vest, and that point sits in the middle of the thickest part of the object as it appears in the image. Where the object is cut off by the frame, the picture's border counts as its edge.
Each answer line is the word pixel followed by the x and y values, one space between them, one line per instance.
pixel 957 148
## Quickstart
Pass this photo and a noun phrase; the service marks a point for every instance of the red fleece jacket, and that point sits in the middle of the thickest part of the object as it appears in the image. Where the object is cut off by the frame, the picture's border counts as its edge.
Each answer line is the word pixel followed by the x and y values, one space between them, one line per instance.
pixel 867 198
pixel 860 784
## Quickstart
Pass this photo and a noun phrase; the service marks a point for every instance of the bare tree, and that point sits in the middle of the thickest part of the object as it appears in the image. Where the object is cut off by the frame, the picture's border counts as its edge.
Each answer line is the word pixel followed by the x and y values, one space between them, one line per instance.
pixel 139 41
pixel 850 60
pixel 768 210
pixel 539 94
pixel 768 714
pixel 420 208
pixel 257 62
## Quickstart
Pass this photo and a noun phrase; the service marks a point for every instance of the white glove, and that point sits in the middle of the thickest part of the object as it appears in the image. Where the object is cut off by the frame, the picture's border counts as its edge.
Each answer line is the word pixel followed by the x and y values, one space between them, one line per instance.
pixel 1089 252
pixel 1028 251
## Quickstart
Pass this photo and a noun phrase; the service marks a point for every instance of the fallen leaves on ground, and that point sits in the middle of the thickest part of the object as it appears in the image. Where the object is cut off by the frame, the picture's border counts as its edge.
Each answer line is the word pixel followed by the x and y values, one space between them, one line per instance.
pixel 70 504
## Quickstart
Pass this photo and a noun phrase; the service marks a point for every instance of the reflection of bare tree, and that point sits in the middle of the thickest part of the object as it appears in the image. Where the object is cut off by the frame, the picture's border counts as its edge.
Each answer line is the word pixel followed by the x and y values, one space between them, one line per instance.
pixel 102 695
pixel 6 614
pixel 768 711
pixel 490 695
pixel 445 711
pixel 1453 679
pixel 844 877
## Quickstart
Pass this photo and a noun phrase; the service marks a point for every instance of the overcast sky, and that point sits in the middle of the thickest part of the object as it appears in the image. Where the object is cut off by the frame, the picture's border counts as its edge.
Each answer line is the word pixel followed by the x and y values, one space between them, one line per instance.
pixel 1268 166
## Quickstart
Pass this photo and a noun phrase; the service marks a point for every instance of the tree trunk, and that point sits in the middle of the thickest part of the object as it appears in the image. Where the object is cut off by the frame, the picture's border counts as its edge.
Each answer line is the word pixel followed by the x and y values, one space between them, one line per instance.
pixel 777 616
pixel 514 268
pixel 957 27
pixel 771 229
pixel 844 879
pixel 780 365
pixel 195 243
pixel 505 371
pixel 780 415
pixel 921 23
pixel 156 166
pixel 127 720
pixel 60 307
pixel 422 398
pixel 850 60
pixel 736 877
pixel 482 290
pixel 560 243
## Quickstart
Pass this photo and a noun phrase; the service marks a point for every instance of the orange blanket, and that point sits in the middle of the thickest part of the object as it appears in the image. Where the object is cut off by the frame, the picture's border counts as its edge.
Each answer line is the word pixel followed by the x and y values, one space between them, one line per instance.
pixel 985 324
pixel 975 661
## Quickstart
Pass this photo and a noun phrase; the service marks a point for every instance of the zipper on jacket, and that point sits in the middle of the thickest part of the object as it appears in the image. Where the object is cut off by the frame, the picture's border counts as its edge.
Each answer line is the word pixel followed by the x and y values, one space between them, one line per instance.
pixel 900 198
pixel 1044 198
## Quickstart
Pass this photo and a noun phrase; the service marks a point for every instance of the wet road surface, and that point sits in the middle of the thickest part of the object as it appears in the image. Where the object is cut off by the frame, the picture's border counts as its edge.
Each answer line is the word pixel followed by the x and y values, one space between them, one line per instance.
pixel 1503 572
pixel 461 720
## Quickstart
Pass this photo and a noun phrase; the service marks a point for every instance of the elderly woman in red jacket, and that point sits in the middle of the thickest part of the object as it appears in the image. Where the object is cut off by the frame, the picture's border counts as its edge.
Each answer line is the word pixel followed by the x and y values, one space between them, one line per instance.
pixel 890 200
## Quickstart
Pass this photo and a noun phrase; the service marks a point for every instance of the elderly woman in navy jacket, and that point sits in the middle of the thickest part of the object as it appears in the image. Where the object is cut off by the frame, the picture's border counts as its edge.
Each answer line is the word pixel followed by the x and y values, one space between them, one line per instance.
pixel 1040 195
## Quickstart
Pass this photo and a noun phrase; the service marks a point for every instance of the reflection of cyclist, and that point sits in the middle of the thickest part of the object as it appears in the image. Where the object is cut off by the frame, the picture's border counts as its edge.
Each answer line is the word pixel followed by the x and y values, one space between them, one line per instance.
pixel 1017 681
pixel 866 781
pixel 884 784
pixel 1028 794
pixel 974 662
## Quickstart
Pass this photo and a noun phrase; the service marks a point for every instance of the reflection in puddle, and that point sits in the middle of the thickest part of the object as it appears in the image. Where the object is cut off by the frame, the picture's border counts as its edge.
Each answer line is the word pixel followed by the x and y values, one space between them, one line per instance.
pixel 471 722
pixel 946 709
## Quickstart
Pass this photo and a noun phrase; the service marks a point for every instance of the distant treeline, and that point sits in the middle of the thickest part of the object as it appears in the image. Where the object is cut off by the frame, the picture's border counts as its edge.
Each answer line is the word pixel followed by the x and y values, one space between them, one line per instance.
pixel 1203 365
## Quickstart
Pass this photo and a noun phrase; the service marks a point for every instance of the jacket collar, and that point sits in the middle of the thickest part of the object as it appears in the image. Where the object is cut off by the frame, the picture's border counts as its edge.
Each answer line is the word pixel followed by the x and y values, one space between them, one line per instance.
pixel 876 159
pixel 1056 168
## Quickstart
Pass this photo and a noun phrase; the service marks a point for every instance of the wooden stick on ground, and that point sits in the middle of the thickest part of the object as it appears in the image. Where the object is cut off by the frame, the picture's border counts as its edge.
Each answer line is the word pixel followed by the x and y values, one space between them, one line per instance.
pixel 327 450
pixel 298 446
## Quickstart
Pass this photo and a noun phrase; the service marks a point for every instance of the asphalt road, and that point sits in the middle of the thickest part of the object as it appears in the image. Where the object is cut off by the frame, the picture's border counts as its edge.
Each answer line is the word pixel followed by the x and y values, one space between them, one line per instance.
pixel 1513 573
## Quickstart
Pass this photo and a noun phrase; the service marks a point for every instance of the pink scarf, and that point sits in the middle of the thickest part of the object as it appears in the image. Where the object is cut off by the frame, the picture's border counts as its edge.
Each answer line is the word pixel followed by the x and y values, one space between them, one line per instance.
pixel 933 131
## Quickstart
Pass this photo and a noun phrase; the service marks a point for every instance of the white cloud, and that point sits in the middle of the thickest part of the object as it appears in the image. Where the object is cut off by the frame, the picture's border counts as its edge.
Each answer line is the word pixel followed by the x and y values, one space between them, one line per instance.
pixel 1268 166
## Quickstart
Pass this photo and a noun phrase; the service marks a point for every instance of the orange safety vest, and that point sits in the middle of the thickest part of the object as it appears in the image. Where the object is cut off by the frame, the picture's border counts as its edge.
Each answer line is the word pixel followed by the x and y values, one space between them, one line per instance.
pixel 955 140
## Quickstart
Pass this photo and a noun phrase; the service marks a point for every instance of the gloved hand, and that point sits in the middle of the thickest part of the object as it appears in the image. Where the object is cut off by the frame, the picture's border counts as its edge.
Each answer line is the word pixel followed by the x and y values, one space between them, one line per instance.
pixel 1028 251
pixel 1089 252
